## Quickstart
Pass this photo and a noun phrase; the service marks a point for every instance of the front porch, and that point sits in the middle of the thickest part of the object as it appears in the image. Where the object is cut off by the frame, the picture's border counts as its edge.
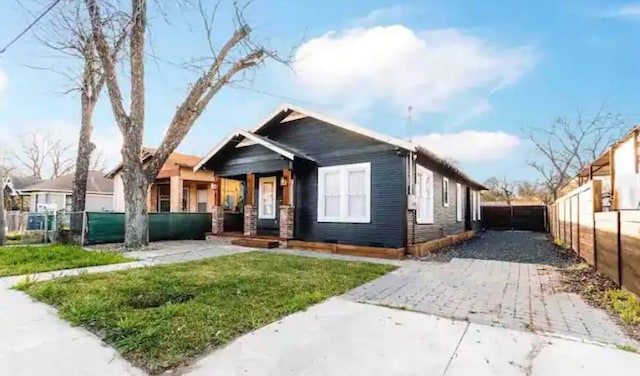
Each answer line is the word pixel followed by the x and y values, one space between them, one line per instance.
pixel 264 209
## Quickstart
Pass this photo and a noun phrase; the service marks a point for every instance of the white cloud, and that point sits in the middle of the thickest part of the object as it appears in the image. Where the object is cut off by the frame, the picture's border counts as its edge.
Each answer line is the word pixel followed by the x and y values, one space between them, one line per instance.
pixel 470 145
pixel 380 16
pixel 3 83
pixel 394 64
pixel 625 11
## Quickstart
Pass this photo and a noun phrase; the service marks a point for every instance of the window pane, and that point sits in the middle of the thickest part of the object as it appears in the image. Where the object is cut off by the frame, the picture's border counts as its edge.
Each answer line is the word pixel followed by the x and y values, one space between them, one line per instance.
pixel 332 206
pixel 356 182
pixel 357 206
pixel 332 183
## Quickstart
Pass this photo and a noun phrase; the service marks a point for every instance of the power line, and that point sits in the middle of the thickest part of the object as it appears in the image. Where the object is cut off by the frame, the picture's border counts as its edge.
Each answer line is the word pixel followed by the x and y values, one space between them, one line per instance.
pixel 31 25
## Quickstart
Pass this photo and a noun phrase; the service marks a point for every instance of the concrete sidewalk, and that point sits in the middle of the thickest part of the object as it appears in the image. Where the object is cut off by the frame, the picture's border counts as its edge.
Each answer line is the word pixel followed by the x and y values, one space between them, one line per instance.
pixel 340 337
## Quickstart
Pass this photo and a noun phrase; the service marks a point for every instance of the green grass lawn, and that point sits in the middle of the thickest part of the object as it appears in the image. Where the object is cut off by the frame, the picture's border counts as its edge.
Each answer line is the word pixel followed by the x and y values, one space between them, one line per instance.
pixel 160 317
pixel 18 260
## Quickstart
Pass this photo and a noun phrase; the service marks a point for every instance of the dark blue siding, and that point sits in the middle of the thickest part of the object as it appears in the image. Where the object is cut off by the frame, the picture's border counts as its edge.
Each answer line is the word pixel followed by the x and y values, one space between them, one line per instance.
pixel 329 145
pixel 254 158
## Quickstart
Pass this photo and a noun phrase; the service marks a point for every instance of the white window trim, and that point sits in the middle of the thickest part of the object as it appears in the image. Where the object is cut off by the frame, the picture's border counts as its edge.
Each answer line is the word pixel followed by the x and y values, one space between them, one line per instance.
pixel 428 217
pixel 445 203
pixel 261 214
pixel 458 202
pixel 344 197
pixel 478 202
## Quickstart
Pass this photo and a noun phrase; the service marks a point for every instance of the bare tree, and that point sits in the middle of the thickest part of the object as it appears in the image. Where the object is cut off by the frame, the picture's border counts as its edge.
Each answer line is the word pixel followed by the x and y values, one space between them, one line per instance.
pixel 499 190
pixel 68 32
pixel 40 152
pixel 236 56
pixel 570 144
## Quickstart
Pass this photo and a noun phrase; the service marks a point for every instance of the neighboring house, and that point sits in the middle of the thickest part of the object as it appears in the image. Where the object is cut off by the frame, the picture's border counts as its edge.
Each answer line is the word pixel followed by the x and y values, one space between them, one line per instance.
pixel 57 193
pixel 618 168
pixel 13 186
pixel 177 188
pixel 316 179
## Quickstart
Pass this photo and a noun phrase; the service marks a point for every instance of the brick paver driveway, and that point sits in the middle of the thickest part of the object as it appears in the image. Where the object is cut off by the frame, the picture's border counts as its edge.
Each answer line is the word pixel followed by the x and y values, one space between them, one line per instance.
pixel 506 279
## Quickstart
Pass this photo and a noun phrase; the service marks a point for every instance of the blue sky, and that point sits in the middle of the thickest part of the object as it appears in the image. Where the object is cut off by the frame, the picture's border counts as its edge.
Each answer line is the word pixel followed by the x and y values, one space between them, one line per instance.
pixel 475 73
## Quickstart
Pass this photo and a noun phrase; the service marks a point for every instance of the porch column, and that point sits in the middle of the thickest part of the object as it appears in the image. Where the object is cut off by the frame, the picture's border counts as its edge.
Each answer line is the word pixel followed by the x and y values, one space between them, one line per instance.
pixel 287 210
pixel 250 209
pixel 176 194
pixel 217 211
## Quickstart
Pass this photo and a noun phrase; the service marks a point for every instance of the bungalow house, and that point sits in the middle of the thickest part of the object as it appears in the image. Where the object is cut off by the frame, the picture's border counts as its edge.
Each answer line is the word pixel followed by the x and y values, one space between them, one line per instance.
pixel 314 181
pixel 14 197
pixel 56 194
pixel 178 188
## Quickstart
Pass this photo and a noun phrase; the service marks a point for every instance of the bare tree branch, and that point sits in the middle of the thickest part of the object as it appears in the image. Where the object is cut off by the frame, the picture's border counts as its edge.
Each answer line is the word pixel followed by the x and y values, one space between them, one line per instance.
pixel 570 144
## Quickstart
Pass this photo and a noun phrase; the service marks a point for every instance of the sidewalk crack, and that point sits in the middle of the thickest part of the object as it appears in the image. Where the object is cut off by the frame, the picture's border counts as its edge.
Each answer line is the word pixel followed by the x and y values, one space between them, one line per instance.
pixel 455 351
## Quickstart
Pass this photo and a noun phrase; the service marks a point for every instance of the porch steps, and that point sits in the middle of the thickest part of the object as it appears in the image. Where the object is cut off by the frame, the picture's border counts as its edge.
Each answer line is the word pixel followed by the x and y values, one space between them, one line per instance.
pixel 256 242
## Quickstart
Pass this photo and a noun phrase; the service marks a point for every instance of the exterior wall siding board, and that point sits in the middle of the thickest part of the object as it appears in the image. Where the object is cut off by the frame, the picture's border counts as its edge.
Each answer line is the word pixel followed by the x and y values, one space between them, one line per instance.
pixel 328 146
pixel 444 218
pixel 253 158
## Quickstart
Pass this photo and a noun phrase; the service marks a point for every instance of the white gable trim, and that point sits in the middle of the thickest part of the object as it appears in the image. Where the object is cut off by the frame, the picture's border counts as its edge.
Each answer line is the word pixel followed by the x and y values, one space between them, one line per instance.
pixel 338 123
pixel 247 135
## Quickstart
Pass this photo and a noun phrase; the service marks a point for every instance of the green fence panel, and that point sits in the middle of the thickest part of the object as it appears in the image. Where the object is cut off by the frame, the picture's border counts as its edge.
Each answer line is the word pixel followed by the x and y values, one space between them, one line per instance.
pixel 109 227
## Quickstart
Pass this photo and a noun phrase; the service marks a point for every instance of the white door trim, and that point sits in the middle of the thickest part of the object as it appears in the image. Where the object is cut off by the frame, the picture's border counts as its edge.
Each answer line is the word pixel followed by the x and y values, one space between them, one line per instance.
pixel 261 181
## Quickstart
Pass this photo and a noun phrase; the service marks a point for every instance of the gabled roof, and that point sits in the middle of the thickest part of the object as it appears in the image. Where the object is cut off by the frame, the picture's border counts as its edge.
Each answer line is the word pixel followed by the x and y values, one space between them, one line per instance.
pixel 17 183
pixel 175 159
pixel 286 112
pixel 96 183
pixel 235 136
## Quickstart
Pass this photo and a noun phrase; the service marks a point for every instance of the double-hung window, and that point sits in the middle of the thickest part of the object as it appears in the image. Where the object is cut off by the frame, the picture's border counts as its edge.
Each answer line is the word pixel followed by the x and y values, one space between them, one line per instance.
pixel 424 195
pixel 344 193
pixel 445 192
pixel 458 202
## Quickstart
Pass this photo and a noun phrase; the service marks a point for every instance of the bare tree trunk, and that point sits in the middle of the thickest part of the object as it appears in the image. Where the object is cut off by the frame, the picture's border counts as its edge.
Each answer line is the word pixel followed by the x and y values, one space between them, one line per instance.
pixel 85 148
pixel 135 198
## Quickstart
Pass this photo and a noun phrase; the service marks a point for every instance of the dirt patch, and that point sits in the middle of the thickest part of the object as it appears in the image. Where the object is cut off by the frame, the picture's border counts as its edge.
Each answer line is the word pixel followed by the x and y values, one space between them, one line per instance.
pixel 584 280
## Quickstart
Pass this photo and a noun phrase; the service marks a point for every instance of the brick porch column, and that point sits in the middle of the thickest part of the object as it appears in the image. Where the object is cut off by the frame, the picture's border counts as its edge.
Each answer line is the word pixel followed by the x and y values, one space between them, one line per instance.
pixel 287 214
pixel 217 220
pixel 250 220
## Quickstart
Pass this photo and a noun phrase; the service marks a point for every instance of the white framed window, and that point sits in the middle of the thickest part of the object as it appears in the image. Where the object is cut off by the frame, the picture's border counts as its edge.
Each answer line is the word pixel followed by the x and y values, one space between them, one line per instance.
pixel 458 202
pixel 478 203
pixel 445 192
pixel 472 198
pixel 267 197
pixel 424 195
pixel 344 193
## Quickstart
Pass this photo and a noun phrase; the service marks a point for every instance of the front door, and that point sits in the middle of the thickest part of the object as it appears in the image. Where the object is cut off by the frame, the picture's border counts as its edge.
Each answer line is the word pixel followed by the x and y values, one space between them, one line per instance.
pixel 268 205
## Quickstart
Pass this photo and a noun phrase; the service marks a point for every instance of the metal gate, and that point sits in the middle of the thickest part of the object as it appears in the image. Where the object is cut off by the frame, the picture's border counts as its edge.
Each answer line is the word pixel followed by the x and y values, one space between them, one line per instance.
pixel 529 218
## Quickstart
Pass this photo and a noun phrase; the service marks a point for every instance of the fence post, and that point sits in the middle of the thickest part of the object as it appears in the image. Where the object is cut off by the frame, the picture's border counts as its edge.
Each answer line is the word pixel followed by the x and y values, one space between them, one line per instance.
pixel 578 226
pixel 596 191
pixel 618 228
pixel 84 224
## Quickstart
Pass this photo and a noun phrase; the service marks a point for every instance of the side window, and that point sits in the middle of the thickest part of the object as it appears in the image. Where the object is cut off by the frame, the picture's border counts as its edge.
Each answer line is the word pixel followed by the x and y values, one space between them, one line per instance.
pixel 424 195
pixel 445 191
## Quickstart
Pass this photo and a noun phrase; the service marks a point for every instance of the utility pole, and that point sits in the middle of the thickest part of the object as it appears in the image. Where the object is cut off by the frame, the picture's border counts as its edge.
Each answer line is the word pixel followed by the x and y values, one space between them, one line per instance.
pixel 409 120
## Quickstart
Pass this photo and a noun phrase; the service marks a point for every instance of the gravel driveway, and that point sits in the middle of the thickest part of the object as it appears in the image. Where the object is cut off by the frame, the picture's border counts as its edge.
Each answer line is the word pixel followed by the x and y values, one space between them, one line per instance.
pixel 504 279
pixel 510 246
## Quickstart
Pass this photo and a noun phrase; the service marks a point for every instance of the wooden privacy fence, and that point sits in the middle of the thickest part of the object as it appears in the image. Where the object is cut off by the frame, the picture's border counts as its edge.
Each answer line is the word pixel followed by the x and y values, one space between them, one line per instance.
pixel 610 241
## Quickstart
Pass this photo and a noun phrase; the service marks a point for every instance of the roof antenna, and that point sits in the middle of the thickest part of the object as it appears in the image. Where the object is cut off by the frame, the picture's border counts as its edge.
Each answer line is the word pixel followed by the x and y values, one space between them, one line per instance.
pixel 408 124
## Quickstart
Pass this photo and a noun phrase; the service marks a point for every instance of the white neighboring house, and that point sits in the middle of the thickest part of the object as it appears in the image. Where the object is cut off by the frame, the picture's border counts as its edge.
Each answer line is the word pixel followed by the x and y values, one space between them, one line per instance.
pixel 57 192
